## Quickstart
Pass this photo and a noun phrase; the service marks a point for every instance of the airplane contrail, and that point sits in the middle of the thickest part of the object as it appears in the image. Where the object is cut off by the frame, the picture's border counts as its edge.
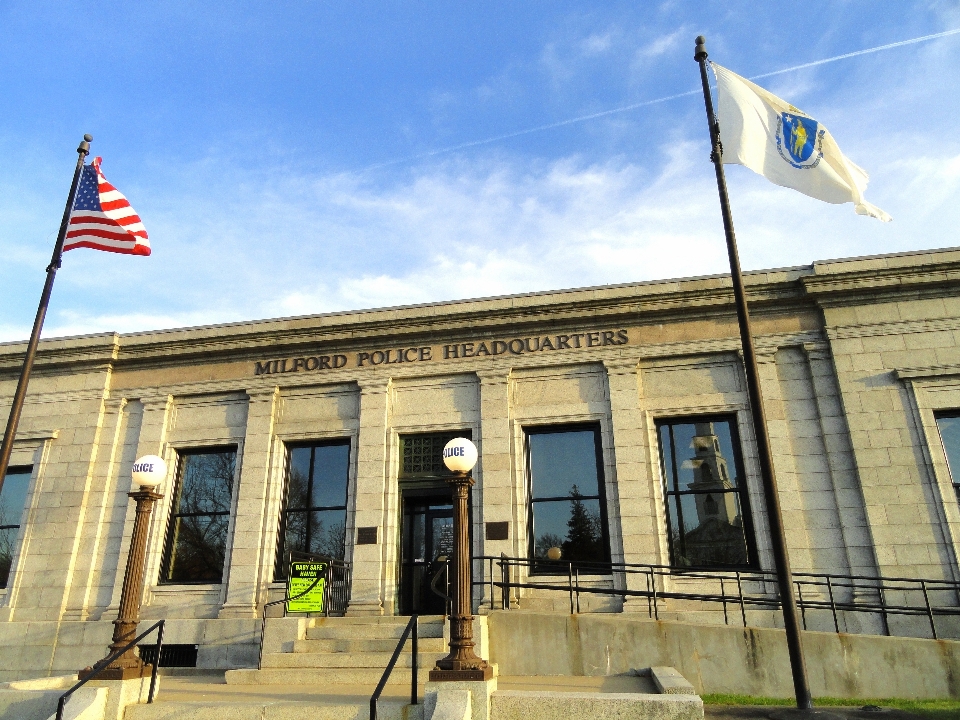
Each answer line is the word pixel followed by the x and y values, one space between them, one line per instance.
pixel 646 103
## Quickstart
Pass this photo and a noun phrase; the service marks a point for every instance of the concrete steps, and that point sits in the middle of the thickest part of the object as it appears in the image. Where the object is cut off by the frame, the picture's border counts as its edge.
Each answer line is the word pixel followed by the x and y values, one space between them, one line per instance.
pixel 368 677
pixel 371 645
pixel 280 710
pixel 348 651
pixel 347 660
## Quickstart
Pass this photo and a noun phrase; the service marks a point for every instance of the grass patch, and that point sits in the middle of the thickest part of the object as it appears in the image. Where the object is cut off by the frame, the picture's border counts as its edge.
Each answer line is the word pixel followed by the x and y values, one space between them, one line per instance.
pixel 934 709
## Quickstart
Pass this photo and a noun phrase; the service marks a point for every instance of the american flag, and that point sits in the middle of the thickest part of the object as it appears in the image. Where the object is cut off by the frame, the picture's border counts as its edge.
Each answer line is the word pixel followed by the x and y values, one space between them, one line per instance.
pixel 102 218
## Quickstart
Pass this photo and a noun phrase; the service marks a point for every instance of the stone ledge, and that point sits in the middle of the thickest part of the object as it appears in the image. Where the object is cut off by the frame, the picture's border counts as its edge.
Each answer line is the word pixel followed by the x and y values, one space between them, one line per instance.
pixel 524 705
pixel 671 682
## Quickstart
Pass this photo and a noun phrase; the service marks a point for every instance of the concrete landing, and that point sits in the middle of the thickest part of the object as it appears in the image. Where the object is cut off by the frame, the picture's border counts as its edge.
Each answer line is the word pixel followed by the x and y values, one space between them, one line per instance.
pixel 209 697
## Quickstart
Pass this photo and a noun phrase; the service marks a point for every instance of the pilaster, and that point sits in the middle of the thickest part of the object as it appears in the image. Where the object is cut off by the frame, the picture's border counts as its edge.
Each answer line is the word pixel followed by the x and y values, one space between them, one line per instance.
pixel 250 560
pixel 636 501
pixel 847 492
pixel 367 593
pixel 498 485
pixel 93 527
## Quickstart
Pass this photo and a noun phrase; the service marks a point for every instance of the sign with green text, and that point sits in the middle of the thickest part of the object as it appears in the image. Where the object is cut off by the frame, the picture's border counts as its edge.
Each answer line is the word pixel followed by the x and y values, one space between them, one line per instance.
pixel 299 580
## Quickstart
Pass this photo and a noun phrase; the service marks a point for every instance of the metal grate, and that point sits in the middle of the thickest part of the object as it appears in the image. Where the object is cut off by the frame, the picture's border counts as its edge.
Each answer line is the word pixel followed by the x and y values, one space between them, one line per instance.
pixel 172 655
pixel 422 455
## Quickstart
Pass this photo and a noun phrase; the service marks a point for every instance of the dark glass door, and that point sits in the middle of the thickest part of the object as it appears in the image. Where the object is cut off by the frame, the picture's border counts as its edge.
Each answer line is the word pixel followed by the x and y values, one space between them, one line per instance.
pixel 426 536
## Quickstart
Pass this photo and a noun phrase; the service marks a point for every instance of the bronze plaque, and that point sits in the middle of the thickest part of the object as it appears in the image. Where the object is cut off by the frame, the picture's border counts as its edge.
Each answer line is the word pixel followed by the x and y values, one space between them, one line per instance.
pixel 367 535
pixel 498 531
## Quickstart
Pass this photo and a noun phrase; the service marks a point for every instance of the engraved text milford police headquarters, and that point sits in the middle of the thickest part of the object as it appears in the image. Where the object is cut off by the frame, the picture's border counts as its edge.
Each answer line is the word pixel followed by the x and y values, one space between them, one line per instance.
pixel 456 351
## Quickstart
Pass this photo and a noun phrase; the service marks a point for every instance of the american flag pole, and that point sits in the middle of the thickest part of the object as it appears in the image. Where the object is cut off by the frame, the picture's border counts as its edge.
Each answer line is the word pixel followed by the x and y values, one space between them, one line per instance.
pixel 14 420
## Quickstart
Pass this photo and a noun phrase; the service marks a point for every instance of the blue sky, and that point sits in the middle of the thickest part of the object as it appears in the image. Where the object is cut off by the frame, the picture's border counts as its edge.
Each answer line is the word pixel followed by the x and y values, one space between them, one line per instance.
pixel 306 157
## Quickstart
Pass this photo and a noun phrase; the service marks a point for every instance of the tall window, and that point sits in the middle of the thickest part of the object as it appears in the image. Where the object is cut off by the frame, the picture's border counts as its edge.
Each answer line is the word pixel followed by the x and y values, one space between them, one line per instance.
pixel 315 514
pixel 708 520
pixel 13 498
pixel 566 495
pixel 197 536
pixel 949 427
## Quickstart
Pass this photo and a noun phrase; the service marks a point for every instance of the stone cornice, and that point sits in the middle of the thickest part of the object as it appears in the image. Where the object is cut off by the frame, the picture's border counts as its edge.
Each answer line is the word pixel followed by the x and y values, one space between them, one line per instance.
pixel 929 372
pixel 902 327
pixel 891 283
pixel 770 293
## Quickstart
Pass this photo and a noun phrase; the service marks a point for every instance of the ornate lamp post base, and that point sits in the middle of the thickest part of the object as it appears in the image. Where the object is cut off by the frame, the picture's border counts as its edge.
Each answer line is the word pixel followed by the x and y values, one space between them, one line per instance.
pixel 123 673
pixel 446 675
pixel 461 663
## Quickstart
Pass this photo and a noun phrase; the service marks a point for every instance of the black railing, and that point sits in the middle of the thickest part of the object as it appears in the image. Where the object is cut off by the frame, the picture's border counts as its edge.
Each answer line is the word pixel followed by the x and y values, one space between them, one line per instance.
pixel 336 590
pixel 415 660
pixel 754 589
pixel 102 665
pixel 443 572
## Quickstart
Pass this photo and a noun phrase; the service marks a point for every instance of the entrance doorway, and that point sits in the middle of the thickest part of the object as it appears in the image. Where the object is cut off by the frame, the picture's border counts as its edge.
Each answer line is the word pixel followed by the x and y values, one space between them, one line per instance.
pixel 426 535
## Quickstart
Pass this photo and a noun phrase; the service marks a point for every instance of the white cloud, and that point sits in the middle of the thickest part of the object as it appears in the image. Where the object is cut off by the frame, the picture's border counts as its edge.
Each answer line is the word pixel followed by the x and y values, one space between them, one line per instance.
pixel 495 226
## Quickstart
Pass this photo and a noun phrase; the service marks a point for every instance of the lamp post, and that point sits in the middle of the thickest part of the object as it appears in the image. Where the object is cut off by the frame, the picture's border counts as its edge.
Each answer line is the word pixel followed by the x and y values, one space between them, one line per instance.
pixel 149 471
pixel 460 455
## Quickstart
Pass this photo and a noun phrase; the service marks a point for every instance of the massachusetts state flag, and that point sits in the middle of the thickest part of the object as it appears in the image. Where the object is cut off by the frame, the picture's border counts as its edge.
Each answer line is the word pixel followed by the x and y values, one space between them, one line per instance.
pixel 102 218
pixel 785 145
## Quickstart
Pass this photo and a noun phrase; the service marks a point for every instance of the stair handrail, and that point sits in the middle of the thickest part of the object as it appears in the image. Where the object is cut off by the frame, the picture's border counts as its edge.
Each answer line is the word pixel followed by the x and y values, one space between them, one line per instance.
pixel 263 620
pixel 414 690
pixel 445 571
pixel 101 665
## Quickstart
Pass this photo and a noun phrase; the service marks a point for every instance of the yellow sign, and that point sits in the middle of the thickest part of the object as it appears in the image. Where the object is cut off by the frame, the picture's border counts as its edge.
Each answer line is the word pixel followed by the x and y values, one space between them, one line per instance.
pixel 306 583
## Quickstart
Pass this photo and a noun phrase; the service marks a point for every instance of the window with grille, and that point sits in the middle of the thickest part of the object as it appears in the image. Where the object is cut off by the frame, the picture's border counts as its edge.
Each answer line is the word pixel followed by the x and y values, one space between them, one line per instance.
pixel 708 519
pixel 13 499
pixel 196 543
pixel 421 456
pixel 314 518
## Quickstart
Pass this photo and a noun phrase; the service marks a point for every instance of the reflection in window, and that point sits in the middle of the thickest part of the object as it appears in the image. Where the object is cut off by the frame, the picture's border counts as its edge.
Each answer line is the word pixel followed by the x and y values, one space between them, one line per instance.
pixel 705 496
pixel 566 496
pixel 197 537
pixel 315 513
pixel 949 427
pixel 13 499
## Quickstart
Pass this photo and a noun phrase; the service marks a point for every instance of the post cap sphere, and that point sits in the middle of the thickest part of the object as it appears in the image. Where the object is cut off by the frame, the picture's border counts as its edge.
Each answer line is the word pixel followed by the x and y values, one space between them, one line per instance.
pixel 460 455
pixel 149 471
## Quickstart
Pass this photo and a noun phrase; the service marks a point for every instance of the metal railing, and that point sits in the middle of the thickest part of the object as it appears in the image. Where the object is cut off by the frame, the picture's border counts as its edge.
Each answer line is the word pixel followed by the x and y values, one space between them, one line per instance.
pixel 741 590
pixel 445 593
pixel 415 660
pixel 102 665
pixel 336 591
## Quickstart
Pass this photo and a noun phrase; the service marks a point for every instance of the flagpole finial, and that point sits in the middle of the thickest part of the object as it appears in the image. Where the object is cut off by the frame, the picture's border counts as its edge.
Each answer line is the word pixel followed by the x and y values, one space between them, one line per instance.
pixel 701 51
pixel 84 148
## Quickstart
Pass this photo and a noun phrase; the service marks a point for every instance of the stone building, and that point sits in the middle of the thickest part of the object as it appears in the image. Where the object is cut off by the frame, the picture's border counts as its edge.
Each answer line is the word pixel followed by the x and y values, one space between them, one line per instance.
pixel 612 423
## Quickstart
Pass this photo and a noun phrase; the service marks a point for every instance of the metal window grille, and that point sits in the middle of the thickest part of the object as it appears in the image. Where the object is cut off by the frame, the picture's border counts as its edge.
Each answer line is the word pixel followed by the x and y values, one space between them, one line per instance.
pixel 172 655
pixel 422 455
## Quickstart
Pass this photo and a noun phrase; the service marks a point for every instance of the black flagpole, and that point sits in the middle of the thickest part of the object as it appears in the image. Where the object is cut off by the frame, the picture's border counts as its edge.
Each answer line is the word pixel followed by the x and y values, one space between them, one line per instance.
pixel 14 420
pixel 791 620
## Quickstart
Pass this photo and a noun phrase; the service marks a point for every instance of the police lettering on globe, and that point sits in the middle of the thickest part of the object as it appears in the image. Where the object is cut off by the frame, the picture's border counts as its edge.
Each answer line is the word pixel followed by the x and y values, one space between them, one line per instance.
pixel 460 455
pixel 149 471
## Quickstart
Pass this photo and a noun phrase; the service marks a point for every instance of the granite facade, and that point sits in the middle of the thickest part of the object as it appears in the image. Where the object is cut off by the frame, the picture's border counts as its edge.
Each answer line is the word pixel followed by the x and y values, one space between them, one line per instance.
pixel 856 358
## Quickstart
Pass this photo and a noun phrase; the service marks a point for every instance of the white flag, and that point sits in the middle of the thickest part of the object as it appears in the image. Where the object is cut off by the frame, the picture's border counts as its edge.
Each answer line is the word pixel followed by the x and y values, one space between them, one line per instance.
pixel 785 145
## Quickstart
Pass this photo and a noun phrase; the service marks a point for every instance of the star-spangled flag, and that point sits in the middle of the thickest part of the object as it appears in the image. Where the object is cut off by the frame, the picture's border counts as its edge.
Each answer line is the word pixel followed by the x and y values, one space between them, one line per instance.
pixel 102 218
pixel 785 145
